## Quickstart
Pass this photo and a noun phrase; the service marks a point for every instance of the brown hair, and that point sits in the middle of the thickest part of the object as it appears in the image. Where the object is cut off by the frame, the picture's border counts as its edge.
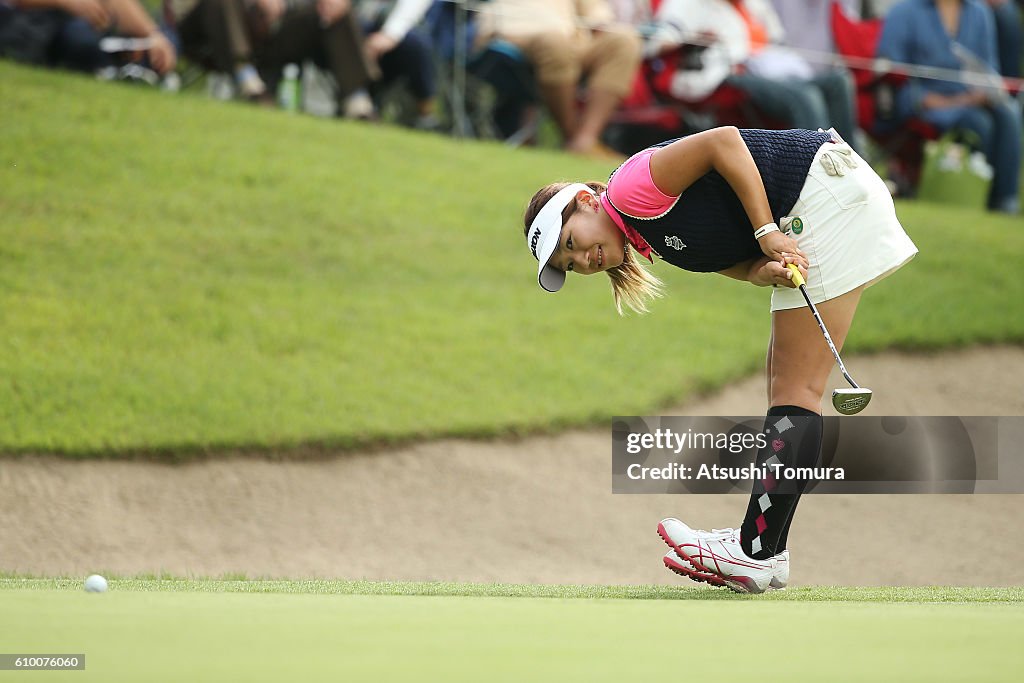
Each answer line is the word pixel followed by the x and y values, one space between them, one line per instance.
pixel 632 283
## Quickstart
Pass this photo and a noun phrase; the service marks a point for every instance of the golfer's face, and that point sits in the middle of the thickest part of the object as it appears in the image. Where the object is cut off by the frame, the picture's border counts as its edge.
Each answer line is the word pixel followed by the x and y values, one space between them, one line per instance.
pixel 590 241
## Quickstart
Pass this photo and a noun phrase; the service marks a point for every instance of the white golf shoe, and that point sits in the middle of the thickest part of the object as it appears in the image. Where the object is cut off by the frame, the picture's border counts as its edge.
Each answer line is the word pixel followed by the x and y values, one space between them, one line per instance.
pixel 781 578
pixel 719 553
pixel 682 567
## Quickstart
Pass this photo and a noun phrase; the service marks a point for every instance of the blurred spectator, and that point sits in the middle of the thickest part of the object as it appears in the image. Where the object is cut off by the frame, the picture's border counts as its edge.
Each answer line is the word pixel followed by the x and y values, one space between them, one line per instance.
pixel 877 8
pixel 254 40
pixel 744 49
pixel 919 32
pixel 1008 34
pixel 807 25
pixel 328 33
pixel 1008 29
pixel 566 41
pixel 216 34
pixel 67 33
pixel 441 22
pixel 632 12
pixel 401 52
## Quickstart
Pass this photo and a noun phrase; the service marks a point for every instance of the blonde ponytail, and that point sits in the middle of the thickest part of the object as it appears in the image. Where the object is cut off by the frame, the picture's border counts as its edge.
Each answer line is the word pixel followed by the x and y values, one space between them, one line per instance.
pixel 633 284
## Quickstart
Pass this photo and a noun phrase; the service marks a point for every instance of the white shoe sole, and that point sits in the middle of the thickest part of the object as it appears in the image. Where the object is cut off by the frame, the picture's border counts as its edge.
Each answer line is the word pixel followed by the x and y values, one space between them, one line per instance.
pixel 737 584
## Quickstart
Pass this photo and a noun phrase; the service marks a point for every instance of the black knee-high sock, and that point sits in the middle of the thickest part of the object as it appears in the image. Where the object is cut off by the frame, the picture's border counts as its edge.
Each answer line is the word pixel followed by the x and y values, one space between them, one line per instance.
pixel 793 436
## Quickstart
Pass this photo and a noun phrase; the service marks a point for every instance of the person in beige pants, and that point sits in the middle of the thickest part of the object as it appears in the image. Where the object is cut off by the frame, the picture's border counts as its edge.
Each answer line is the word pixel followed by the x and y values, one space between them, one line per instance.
pixel 567 41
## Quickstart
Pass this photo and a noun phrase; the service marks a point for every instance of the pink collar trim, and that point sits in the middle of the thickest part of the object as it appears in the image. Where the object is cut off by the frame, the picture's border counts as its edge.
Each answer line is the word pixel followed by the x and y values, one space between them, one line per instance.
pixel 638 242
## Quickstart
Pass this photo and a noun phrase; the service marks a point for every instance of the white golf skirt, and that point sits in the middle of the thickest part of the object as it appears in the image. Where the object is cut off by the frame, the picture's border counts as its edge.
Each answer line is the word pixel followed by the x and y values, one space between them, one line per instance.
pixel 847 228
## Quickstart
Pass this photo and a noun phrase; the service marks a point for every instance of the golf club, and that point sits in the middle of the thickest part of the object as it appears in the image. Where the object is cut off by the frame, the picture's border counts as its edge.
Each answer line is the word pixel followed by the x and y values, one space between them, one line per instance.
pixel 846 401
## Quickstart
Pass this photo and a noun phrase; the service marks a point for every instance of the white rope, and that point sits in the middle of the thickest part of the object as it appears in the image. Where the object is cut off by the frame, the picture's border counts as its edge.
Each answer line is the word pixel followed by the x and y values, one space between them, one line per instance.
pixel 973 74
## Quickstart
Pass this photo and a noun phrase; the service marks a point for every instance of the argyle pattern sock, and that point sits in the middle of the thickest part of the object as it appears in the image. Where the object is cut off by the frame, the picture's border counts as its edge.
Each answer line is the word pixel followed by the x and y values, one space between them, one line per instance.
pixel 793 437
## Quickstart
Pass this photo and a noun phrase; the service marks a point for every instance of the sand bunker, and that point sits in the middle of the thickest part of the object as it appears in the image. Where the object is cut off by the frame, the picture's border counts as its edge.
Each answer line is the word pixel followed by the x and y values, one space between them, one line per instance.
pixel 532 510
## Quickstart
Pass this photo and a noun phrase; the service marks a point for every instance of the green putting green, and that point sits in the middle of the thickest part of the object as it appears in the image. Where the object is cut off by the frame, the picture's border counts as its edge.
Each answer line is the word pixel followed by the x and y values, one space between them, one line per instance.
pixel 216 631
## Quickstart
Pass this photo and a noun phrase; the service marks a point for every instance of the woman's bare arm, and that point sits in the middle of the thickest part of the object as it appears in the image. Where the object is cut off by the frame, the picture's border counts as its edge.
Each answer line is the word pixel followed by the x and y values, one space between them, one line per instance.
pixel 742 270
pixel 764 271
pixel 677 166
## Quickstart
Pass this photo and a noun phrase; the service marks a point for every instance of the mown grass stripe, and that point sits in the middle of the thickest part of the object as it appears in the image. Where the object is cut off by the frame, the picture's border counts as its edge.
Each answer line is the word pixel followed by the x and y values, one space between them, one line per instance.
pixel 438 589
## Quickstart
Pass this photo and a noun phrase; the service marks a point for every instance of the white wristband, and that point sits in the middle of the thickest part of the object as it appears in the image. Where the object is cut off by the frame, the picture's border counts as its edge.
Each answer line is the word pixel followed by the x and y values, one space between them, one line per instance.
pixel 764 230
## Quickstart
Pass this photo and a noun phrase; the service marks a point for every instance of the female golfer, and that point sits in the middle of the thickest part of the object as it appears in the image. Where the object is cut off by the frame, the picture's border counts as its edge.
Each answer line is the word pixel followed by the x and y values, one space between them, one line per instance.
pixel 713 202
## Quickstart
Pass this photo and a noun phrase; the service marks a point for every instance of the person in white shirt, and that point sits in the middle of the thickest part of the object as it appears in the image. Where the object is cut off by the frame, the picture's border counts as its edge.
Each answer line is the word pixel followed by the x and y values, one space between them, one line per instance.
pixel 401 52
pixel 744 47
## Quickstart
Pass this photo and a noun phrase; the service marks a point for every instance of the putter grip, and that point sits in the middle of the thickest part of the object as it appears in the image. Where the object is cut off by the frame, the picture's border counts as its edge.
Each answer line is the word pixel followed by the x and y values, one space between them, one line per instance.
pixel 797 277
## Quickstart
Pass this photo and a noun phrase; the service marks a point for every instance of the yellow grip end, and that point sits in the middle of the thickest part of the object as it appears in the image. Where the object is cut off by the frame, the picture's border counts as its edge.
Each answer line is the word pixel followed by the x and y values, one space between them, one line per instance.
pixel 798 279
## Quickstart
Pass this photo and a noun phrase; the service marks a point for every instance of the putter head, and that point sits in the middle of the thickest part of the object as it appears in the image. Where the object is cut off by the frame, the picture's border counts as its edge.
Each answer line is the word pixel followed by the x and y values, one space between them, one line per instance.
pixel 850 401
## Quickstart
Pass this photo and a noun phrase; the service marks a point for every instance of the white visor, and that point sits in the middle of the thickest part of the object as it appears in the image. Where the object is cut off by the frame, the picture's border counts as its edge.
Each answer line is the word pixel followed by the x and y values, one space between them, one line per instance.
pixel 545 234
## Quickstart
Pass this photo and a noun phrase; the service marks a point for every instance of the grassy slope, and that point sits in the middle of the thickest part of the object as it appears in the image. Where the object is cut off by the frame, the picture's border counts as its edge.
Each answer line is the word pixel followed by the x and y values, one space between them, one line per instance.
pixel 180 274
pixel 184 635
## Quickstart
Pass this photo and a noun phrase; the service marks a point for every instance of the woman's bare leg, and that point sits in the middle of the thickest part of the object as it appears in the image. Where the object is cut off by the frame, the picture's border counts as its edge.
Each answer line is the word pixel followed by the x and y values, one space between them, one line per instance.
pixel 799 358
pixel 798 365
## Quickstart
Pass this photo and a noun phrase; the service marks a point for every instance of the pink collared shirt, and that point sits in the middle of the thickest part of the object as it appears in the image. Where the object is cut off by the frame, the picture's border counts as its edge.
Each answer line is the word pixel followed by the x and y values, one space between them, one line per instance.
pixel 632 190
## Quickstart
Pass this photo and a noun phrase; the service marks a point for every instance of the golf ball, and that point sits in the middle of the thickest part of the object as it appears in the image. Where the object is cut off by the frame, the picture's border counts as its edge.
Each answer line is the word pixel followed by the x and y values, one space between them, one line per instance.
pixel 96 584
